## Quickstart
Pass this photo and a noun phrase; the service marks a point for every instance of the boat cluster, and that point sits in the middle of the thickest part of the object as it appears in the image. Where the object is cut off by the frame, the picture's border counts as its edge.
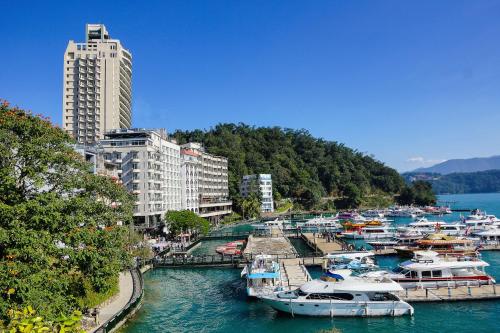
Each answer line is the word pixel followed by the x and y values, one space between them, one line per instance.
pixel 336 293
pixel 442 255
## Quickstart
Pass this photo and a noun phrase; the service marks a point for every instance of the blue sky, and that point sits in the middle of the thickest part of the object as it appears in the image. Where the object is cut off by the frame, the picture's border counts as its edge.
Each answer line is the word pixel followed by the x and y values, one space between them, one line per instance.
pixel 412 83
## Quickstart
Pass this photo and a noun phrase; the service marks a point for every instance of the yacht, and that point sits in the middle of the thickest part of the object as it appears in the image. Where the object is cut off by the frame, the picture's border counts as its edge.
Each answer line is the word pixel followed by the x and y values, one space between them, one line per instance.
pixel 425 226
pixel 370 233
pixel 322 223
pixel 441 244
pixel 338 293
pixel 489 237
pixel 268 225
pixel 428 270
pixel 263 275
pixel 374 213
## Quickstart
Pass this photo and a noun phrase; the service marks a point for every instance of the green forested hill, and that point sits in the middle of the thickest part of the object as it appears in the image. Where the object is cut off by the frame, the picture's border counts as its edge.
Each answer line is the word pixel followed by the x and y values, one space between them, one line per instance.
pixel 302 167
pixel 470 182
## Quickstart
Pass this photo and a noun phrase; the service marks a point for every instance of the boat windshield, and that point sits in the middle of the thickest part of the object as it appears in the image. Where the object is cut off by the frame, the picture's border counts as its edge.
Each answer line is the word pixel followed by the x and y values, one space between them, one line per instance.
pixel 398 269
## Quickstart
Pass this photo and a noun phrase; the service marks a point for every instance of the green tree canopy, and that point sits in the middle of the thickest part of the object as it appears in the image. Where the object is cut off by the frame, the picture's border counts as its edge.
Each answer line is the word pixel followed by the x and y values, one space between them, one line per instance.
pixel 60 242
pixel 186 220
pixel 419 193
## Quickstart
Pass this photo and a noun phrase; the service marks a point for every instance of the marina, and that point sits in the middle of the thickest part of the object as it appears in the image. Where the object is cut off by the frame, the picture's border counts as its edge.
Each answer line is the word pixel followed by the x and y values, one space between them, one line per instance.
pixel 298 267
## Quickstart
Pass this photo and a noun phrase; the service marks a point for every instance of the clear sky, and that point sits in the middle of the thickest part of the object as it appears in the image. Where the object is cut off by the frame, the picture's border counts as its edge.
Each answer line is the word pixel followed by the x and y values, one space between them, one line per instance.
pixel 411 82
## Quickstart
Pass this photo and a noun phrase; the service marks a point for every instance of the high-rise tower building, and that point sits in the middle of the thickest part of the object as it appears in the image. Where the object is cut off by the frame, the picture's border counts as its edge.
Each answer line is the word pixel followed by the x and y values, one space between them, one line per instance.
pixel 97 88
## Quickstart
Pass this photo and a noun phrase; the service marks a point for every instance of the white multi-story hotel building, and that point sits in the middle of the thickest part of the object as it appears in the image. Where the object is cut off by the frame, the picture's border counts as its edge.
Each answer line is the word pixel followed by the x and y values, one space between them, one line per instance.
pixel 149 166
pixel 190 179
pixel 264 184
pixel 213 189
pixel 97 86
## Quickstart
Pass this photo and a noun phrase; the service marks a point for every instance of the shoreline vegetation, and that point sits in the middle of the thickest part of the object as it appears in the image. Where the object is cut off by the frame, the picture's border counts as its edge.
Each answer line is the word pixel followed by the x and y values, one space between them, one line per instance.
pixel 64 232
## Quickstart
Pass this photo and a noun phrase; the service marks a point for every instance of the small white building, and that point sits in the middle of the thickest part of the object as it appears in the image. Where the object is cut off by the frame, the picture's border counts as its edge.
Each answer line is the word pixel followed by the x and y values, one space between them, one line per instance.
pixel 260 182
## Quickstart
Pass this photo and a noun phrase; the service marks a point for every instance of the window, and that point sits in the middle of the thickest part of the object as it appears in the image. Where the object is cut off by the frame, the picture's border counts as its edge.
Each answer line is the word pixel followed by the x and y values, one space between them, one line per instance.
pixel 426 274
pixel 437 273
pixel 335 296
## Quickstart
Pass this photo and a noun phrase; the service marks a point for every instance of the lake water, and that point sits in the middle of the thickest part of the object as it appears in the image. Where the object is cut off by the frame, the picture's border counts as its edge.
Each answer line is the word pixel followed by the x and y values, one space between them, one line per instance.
pixel 214 300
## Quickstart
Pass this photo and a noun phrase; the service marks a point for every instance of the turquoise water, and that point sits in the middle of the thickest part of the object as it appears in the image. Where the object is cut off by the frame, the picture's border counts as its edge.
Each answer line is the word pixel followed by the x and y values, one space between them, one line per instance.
pixel 214 300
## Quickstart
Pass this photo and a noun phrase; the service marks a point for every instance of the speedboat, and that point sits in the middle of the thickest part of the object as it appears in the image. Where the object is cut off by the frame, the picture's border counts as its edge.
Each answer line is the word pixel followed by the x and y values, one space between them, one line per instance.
pixel 263 275
pixel 428 270
pixel 352 260
pixel 338 293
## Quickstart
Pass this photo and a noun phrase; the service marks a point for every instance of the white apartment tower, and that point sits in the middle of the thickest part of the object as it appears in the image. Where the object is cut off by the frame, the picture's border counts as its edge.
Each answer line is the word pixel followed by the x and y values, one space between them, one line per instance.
pixel 264 184
pixel 149 167
pixel 97 86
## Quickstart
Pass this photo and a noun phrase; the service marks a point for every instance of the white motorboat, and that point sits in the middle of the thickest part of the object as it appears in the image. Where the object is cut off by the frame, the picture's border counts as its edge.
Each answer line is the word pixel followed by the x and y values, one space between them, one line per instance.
pixel 268 225
pixel 322 223
pixel 427 227
pixel 263 275
pixel 371 233
pixel 489 236
pixel 374 213
pixel 339 294
pixel 428 270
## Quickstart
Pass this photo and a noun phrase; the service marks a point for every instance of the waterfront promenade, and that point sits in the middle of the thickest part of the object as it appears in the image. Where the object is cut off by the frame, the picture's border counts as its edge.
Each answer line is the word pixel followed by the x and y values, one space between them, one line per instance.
pixel 118 302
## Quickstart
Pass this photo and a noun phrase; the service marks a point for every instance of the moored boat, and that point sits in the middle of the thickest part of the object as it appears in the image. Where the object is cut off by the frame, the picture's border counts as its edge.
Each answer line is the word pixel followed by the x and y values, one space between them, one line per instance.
pixel 338 293
pixel 262 275
pixel 429 270
pixel 441 244
pixel 231 248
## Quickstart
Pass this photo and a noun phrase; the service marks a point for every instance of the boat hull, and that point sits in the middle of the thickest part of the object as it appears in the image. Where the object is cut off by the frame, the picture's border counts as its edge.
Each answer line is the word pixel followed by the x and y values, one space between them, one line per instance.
pixel 341 308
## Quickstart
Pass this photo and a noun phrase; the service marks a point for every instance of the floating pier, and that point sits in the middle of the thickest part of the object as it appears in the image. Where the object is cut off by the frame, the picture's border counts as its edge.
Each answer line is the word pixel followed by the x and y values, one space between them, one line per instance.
pixel 320 244
pixel 293 273
pixel 444 294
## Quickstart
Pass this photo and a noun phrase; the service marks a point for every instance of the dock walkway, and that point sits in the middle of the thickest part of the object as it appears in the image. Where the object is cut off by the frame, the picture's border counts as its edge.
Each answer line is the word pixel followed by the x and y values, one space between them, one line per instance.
pixel 293 273
pixel 321 244
pixel 444 294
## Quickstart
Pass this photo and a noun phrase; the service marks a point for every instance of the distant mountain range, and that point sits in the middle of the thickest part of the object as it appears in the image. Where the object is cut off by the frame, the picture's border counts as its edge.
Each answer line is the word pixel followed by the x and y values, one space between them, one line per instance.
pixel 463 165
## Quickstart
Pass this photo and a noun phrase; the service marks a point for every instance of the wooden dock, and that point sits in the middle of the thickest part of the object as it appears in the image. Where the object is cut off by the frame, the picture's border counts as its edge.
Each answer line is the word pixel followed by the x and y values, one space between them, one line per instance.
pixel 293 273
pixel 444 294
pixel 320 244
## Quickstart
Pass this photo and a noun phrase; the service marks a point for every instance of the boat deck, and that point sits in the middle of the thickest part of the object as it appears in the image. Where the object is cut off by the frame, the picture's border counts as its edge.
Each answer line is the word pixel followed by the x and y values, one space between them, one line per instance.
pixel 445 294
pixel 293 273
pixel 320 244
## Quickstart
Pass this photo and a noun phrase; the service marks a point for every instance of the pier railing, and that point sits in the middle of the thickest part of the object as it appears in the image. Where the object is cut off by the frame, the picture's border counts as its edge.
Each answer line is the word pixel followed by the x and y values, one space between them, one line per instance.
pixel 227 260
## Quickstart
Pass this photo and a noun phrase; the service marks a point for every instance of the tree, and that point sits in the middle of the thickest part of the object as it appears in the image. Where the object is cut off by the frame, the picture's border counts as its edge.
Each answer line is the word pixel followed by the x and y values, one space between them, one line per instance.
pixel 352 196
pixel 419 193
pixel 424 195
pixel 186 220
pixel 61 247
pixel 407 196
